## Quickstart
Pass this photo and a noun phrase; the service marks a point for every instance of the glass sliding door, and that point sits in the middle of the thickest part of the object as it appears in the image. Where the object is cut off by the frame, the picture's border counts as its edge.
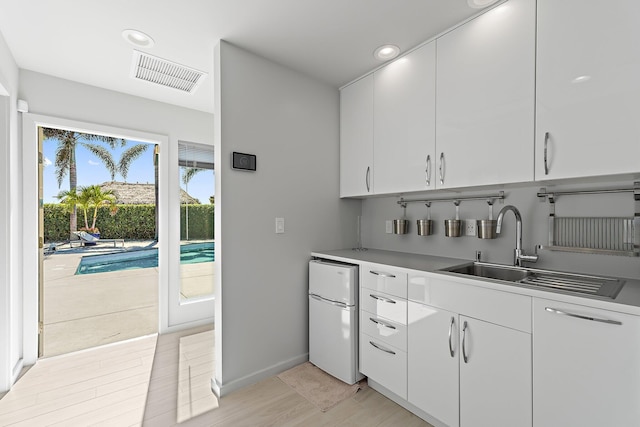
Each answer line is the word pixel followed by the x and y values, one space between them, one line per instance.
pixel 197 240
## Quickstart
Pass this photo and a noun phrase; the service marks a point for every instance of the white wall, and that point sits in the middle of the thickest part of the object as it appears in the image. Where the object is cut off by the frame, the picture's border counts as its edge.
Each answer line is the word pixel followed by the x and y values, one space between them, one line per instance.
pixel 291 122
pixel 10 289
pixel 535 230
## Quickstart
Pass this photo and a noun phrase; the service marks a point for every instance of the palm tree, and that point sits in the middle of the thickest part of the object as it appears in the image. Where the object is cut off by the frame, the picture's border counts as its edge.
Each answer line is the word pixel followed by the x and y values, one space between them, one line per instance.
pixel 90 197
pixel 66 158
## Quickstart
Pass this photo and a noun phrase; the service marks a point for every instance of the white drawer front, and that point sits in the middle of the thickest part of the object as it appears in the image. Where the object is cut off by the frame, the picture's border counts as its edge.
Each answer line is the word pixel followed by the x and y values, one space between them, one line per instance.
pixel 384 305
pixel 385 279
pixel 384 364
pixel 384 330
pixel 501 308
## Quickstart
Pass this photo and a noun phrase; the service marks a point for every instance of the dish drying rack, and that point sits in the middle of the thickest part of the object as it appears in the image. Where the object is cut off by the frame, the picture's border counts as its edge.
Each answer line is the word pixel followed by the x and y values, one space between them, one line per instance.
pixel 597 235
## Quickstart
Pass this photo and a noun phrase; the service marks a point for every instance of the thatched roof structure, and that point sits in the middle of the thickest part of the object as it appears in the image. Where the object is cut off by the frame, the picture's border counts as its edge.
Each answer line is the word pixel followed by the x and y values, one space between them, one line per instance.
pixel 140 194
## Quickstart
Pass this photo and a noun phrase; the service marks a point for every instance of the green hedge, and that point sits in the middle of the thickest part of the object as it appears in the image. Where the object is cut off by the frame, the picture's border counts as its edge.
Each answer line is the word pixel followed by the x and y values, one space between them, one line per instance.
pixel 200 219
pixel 132 222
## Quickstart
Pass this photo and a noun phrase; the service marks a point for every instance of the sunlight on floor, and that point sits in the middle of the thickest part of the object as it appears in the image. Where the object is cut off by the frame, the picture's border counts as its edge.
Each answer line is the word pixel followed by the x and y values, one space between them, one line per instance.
pixel 195 373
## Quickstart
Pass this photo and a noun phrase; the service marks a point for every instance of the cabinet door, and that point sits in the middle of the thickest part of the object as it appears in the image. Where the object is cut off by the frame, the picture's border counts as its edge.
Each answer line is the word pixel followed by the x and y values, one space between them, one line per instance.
pixel 485 98
pixel 585 372
pixel 404 123
pixel 495 378
pixel 433 353
pixel 356 138
pixel 588 63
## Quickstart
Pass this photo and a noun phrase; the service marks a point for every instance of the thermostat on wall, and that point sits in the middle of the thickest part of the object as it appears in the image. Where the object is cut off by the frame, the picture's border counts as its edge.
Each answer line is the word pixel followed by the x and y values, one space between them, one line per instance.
pixel 242 161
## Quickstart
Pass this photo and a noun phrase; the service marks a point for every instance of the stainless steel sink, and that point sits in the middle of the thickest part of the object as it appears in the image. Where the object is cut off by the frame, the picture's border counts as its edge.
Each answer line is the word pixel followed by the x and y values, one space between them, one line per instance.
pixel 492 271
pixel 595 286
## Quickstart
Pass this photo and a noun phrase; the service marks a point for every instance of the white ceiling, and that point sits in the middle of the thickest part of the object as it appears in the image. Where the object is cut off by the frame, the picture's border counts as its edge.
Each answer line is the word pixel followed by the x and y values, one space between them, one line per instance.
pixel 332 40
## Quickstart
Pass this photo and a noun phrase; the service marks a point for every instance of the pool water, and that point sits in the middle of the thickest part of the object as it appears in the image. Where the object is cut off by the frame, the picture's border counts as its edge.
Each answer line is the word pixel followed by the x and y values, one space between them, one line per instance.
pixel 191 253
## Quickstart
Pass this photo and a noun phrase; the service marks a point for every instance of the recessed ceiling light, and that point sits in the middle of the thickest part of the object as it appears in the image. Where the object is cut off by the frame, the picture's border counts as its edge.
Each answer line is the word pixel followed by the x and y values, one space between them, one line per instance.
pixel 480 4
pixel 138 38
pixel 386 52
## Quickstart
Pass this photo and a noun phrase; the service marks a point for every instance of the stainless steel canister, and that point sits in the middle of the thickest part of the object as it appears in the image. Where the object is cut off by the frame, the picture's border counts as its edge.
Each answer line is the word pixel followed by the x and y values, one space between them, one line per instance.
pixel 452 227
pixel 425 227
pixel 400 226
pixel 486 228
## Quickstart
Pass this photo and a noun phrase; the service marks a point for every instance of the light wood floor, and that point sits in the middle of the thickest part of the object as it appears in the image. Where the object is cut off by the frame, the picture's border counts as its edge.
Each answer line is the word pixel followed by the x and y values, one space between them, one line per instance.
pixel 165 381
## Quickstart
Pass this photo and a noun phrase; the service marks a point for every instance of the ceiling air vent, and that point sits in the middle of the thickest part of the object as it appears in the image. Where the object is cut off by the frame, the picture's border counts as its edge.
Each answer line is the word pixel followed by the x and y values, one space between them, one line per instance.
pixel 165 73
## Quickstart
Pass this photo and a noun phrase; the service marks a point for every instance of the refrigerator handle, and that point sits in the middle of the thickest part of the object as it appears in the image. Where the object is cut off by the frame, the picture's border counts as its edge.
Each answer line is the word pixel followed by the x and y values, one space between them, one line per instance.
pixel 328 301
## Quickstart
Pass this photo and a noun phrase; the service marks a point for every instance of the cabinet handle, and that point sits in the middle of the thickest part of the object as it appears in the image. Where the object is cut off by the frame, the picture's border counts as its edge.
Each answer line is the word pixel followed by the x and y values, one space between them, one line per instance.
pixel 464 348
pixel 579 316
pixel 450 333
pixel 441 169
pixel 546 144
pixel 379 273
pixel 367 178
pixel 381 323
pixel 428 171
pixel 390 301
pixel 379 347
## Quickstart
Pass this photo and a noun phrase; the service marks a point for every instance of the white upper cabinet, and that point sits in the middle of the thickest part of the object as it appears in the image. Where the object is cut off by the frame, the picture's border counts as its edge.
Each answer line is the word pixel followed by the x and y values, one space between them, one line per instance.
pixel 356 138
pixel 485 98
pixel 588 87
pixel 404 123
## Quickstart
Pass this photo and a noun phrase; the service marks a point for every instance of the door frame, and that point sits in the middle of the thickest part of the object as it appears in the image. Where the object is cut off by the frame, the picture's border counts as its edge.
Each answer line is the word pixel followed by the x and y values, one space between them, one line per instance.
pixel 30 125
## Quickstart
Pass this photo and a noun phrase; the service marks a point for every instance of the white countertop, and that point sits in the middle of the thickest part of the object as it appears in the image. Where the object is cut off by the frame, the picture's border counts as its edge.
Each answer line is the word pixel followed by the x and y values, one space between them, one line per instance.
pixel 627 301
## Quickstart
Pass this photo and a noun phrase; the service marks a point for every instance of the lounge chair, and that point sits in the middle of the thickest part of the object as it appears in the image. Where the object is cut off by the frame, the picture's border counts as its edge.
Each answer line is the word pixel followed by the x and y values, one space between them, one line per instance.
pixel 86 239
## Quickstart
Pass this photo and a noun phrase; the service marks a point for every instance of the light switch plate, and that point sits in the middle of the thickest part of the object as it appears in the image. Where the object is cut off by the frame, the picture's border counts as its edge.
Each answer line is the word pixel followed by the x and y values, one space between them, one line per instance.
pixel 279 225
pixel 388 227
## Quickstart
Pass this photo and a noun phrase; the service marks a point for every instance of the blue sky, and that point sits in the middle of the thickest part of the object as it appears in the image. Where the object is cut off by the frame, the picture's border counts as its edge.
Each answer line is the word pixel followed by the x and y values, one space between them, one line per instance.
pixel 92 171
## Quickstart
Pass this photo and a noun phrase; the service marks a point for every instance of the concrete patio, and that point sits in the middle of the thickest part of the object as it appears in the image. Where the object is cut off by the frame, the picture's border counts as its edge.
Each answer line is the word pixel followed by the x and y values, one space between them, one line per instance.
pixel 84 311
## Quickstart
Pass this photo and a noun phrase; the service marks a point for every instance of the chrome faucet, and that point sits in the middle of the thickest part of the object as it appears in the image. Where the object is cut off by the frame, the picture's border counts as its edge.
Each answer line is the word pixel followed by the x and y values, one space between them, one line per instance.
pixel 518 255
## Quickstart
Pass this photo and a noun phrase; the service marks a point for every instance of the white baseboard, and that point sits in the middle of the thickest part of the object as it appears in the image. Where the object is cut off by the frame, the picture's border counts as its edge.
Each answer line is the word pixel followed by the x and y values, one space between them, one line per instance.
pixel 221 390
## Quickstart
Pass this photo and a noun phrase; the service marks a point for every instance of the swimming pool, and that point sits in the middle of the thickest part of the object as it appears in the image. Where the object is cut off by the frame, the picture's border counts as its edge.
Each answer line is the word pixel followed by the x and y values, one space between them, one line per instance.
pixel 191 253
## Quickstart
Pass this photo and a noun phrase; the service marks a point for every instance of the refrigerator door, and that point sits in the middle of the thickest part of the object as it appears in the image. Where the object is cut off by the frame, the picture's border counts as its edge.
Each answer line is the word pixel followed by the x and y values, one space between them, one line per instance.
pixel 333 340
pixel 333 281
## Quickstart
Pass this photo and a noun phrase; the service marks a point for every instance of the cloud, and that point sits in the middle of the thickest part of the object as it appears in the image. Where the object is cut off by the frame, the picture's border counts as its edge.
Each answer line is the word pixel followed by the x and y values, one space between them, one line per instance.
pixel 46 162
pixel 92 163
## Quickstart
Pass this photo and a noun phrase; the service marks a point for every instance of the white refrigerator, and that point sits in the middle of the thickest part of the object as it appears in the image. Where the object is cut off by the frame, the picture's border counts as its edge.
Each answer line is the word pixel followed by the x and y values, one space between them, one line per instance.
pixel 333 319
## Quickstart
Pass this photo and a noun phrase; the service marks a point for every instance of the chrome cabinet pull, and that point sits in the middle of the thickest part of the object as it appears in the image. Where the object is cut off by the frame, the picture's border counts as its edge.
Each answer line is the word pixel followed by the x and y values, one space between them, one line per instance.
pixel 464 348
pixel 546 144
pixel 367 178
pixel 383 299
pixel 381 323
pixel 579 316
pixel 450 332
pixel 441 169
pixel 379 347
pixel 379 273
pixel 428 171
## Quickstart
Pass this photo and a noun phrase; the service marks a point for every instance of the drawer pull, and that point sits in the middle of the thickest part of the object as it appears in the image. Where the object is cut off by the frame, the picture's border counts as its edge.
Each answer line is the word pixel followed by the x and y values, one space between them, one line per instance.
pixel 379 347
pixel 383 299
pixel 381 274
pixel 464 337
pixel 450 333
pixel 381 323
pixel 579 316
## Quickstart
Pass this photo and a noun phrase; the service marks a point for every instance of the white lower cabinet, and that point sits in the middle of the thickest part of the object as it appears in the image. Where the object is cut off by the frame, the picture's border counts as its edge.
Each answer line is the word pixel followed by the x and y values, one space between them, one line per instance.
pixel 467 372
pixel 432 353
pixel 495 375
pixel 586 366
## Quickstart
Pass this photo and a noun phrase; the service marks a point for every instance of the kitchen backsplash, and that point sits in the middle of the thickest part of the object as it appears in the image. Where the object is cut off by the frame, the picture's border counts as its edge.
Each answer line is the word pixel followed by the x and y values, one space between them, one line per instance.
pixel 535 214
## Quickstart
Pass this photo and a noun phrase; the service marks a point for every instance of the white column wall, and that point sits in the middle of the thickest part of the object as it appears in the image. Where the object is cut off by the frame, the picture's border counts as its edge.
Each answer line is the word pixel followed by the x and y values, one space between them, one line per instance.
pixel 11 268
pixel 291 122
